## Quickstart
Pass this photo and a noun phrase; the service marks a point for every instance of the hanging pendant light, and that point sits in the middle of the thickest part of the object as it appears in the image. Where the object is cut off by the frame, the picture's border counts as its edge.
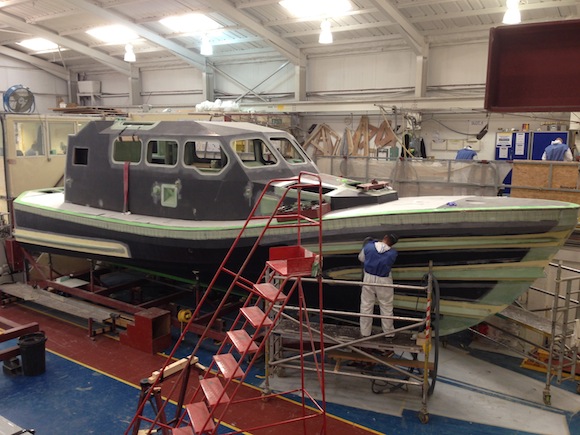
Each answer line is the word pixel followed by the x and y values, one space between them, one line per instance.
pixel 512 14
pixel 129 54
pixel 206 48
pixel 325 33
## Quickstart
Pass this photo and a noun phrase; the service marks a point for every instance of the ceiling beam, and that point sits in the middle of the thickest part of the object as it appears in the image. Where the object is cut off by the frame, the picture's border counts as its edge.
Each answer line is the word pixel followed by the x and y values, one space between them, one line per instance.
pixel 256 3
pixel 384 25
pixel 491 11
pixel 288 50
pixel 407 30
pixel 51 68
pixel 294 20
pixel 545 4
pixel 189 56
pixel 39 31
pixel 450 104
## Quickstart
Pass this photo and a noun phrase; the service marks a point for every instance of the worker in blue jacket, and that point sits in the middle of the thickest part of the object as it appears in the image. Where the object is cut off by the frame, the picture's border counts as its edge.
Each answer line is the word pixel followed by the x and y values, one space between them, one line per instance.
pixel 378 257
pixel 558 151
pixel 466 153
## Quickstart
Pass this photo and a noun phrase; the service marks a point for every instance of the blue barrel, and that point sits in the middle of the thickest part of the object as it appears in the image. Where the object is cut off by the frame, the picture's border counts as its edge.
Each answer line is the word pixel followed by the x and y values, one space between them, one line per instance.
pixel 33 353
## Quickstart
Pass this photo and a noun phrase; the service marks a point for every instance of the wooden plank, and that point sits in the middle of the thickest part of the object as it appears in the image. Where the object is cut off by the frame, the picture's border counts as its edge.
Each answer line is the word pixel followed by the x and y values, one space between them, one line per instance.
pixel 546 175
pixel 565 176
pixel 385 135
pixel 171 369
pixel 7 323
pixel 314 138
pixel 7 427
pixel 532 175
pixel 69 305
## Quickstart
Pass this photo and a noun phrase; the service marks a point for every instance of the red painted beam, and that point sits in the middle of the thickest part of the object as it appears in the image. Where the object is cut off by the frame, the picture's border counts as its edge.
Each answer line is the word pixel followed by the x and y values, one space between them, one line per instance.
pixel 18 331
pixel 9 353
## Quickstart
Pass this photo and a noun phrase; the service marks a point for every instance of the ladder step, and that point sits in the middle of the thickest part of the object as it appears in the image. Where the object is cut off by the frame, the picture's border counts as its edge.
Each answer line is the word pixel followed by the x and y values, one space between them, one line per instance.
pixel 186 430
pixel 228 366
pixel 214 391
pixel 269 292
pixel 242 341
pixel 256 316
pixel 292 266
pixel 199 417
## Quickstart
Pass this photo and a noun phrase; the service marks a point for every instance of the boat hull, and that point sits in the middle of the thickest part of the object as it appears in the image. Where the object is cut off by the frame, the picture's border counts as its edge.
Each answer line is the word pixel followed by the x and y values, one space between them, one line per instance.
pixel 484 251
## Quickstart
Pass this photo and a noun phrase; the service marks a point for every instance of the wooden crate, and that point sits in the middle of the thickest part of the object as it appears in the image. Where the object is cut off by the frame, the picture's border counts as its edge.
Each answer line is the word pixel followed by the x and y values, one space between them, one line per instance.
pixel 546 180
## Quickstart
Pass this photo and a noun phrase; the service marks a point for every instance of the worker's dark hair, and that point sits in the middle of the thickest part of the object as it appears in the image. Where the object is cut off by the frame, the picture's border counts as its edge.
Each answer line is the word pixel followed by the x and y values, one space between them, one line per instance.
pixel 393 238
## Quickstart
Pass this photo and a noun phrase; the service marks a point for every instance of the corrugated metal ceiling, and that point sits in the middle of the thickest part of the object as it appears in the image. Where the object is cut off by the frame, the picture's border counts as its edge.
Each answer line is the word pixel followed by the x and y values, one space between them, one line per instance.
pixel 254 29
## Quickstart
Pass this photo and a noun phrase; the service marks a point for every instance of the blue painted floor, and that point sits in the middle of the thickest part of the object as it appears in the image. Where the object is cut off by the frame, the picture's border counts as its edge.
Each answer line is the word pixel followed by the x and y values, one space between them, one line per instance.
pixel 472 396
pixel 68 399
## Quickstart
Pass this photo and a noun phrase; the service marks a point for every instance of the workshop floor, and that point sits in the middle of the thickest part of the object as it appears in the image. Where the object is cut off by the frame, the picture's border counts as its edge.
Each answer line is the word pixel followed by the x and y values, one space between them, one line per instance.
pixel 92 387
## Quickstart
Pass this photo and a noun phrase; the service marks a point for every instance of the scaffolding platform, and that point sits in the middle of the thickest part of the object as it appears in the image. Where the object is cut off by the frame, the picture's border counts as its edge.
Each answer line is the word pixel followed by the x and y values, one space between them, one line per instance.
pixel 528 320
pixel 82 309
pixel 557 351
pixel 303 339
pixel 403 341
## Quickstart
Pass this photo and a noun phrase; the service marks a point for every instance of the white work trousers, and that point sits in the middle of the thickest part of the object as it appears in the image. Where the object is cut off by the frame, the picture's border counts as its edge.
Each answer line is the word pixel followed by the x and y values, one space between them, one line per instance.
pixel 384 295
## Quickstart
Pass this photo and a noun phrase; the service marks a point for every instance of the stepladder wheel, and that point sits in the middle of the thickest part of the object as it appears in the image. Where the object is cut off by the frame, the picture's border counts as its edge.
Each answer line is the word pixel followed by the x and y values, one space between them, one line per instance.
pixel 423 417
pixel 266 392
pixel 547 398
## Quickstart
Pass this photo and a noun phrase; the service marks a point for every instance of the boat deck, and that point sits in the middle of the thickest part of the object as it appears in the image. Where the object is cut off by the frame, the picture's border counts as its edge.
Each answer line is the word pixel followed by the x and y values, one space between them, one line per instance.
pixel 92 386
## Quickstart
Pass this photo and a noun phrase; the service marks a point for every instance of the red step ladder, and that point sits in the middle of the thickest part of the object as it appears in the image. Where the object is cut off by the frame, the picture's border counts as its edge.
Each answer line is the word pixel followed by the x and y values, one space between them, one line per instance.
pixel 216 392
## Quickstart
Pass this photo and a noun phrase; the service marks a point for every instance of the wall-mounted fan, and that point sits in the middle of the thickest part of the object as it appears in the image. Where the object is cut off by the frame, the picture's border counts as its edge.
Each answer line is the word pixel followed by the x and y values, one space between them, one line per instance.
pixel 18 99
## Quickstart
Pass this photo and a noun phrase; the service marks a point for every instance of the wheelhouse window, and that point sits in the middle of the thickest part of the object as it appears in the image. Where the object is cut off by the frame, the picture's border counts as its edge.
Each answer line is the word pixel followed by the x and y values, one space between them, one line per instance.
pixel 254 152
pixel 162 152
pixel 58 133
pixel 290 150
pixel 29 138
pixel 127 149
pixel 205 155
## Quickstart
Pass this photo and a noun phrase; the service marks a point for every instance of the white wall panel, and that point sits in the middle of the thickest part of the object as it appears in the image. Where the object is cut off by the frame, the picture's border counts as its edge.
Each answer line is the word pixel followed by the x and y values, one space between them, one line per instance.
pixel 168 87
pixel 461 64
pixel 395 69
pixel 171 80
pixel 252 74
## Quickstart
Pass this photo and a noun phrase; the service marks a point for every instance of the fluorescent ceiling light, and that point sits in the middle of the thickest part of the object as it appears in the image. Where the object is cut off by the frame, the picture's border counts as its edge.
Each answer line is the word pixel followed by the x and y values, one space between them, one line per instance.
pixel 190 23
pixel 316 8
pixel 512 14
pixel 113 34
pixel 325 33
pixel 39 44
